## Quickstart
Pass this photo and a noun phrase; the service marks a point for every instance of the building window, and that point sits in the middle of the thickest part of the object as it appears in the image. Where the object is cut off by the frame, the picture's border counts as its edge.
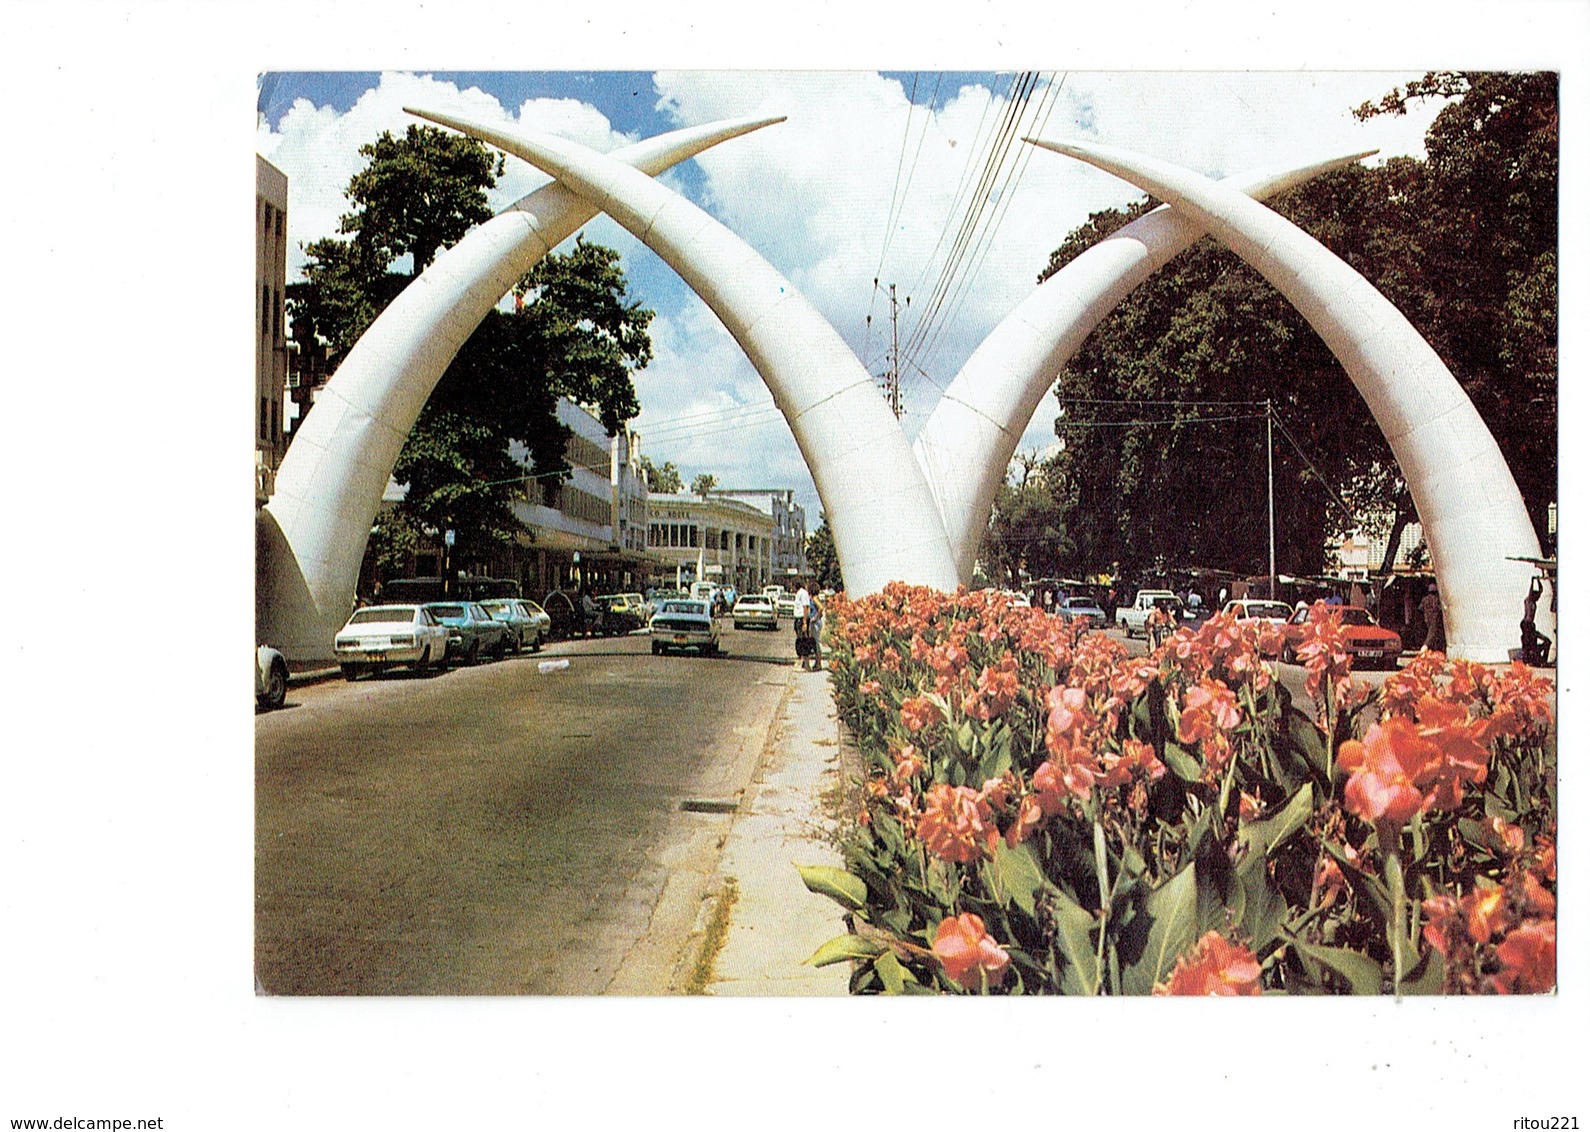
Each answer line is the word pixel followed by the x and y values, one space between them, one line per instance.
pixel 280 217
pixel 264 418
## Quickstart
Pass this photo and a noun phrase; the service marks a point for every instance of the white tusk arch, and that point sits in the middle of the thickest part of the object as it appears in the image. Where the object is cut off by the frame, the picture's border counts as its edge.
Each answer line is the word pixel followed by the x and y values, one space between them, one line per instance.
pixel 313 532
pixel 886 524
pixel 968 442
pixel 1473 515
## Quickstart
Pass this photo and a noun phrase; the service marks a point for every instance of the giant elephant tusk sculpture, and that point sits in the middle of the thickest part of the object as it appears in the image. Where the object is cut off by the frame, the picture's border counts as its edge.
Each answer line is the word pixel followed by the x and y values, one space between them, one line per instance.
pixel 970 437
pixel 959 458
pixel 885 520
pixel 973 432
pixel 1473 515
pixel 312 533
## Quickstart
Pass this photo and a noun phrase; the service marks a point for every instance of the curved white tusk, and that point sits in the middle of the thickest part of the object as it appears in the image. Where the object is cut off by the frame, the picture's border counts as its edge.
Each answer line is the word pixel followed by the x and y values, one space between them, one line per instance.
pixel 969 439
pixel 886 524
pixel 328 491
pixel 1473 515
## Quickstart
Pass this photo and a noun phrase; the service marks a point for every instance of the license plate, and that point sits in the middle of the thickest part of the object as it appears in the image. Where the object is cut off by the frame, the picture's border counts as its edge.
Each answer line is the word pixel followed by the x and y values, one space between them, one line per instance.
pixel 680 638
pixel 378 654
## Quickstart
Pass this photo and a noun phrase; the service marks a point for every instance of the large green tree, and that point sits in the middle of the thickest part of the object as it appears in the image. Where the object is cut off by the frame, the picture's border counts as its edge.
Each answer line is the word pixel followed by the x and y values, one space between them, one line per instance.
pixel 1027 530
pixel 573 333
pixel 822 558
pixel 1162 409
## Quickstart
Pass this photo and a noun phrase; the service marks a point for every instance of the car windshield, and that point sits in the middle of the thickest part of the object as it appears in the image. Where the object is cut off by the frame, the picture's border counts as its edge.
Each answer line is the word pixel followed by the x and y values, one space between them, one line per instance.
pixel 378 614
pixel 497 606
pixel 757 600
pixel 447 610
pixel 1264 609
pixel 1356 617
pixel 697 608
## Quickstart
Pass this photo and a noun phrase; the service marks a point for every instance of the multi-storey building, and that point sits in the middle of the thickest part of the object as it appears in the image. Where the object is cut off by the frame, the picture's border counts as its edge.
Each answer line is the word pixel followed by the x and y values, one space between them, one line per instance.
pixel 745 543
pixel 270 338
pixel 587 530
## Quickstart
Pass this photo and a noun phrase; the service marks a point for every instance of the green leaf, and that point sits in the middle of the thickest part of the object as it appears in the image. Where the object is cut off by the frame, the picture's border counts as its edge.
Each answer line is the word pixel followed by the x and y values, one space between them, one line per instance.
pixel 891 973
pixel 1428 977
pixel 836 884
pixel 1074 929
pixel 1361 973
pixel 1170 914
pixel 1264 837
pixel 1185 767
pixel 1018 876
pixel 845 947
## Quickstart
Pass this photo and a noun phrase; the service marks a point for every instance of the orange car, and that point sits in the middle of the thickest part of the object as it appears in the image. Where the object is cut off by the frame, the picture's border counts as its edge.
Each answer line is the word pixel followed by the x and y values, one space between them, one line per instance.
pixel 1370 645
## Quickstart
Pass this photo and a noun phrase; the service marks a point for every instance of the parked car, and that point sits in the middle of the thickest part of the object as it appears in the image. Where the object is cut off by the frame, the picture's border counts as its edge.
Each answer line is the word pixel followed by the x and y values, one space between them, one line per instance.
pixel 379 636
pixel 755 610
pixel 639 602
pixel 684 624
pixel 524 627
pixel 1367 640
pixel 1134 618
pixel 620 614
pixel 542 618
pixel 785 604
pixel 471 632
pixel 270 678
pixel 1261 609
pixel 1076 608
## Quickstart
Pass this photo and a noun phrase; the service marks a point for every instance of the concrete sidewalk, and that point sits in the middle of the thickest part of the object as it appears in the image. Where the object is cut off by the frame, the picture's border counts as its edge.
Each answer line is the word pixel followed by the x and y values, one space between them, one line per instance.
pixel 785 819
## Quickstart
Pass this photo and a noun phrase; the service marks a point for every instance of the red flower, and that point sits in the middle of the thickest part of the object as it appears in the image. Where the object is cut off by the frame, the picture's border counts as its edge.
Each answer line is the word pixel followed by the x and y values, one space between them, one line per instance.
pixel 969 955
pixel 919 713
pixel 1529 959
pixel 1215 966
pixel 956 825
pixel 1384 767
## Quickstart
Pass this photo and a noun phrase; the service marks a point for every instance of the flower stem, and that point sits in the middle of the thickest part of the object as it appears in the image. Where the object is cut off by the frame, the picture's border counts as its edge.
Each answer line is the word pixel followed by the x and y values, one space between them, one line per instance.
pixel 1398 928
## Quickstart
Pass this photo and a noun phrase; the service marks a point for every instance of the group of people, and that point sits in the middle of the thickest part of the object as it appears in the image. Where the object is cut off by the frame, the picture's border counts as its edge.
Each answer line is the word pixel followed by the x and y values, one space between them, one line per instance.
pixel 808 630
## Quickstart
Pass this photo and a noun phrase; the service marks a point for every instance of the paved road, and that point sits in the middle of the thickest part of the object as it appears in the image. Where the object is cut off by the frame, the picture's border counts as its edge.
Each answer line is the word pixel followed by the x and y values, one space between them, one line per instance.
pixel 497 830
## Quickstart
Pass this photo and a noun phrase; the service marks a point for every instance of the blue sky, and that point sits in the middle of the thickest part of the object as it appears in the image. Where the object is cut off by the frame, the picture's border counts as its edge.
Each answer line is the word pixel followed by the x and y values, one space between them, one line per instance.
pixel 872 177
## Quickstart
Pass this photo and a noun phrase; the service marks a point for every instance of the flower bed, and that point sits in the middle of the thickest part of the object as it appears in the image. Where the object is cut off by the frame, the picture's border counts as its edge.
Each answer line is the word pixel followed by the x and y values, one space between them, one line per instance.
pixel 1045 814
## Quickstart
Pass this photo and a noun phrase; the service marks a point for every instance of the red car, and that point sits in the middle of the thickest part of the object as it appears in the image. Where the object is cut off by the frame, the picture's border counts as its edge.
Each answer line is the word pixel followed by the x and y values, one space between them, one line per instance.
pixel 1370 645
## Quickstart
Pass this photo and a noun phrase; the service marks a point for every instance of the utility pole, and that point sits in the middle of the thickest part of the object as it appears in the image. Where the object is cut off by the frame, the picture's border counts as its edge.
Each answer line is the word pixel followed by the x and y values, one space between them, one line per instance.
pixel 891 379
pixel 1269 456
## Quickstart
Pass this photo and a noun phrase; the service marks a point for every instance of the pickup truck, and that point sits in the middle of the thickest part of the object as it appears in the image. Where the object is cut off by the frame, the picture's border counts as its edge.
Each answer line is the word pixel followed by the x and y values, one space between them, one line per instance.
pixel 1133 618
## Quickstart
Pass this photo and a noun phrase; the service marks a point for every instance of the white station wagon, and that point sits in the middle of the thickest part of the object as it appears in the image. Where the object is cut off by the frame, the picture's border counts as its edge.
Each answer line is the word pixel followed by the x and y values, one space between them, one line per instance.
pixel 380 636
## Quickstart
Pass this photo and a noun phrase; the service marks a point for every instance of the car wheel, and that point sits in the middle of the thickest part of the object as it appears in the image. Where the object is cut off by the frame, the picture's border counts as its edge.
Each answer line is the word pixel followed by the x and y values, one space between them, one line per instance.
pixel 275 687
pixel 350 672
pixel 656 649
pixel 502 648
pixel 424 662
pixel 535 643
pixel 1287 655
pixel 472 657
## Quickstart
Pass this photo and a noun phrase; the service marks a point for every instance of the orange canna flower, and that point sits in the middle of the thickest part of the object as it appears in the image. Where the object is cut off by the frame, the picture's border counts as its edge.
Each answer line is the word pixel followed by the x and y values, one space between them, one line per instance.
pixel 1215 966
pixel 1529 959
pixel 956 825
pixel 968 954
pixel 1486 910
pixel 919 713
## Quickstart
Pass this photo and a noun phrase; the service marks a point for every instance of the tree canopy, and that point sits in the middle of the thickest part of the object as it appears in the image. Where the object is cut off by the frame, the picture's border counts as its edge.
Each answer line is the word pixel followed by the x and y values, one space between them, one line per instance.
pixel 1162 409
pixel 665 480
pixel 573 333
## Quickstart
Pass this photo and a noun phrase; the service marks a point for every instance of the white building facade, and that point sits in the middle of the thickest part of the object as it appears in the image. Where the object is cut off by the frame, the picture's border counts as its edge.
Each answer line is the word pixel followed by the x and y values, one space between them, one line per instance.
pixel 270 333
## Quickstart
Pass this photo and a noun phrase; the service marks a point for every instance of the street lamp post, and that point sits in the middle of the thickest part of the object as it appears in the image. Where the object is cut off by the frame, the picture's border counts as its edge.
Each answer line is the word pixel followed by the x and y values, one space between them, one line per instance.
pixel 447 562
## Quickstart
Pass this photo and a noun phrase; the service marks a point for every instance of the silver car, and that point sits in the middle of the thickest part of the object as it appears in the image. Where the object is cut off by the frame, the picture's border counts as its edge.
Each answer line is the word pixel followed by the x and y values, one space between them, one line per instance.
pixel 525 629
pixel 471 632
pixel 380 636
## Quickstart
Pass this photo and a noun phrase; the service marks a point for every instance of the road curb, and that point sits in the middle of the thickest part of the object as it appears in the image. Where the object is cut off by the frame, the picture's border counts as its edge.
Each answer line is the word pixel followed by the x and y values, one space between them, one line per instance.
pixel 777 923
